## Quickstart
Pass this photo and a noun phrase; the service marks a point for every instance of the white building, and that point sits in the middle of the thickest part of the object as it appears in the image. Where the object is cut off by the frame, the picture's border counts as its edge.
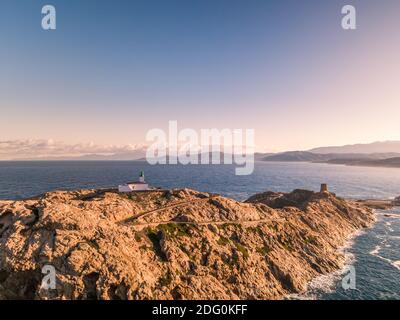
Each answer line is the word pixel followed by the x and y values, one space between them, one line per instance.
pixel 140 185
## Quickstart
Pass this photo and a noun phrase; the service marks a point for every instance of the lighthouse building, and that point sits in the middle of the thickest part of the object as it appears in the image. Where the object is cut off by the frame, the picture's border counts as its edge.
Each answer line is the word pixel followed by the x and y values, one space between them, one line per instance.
pixel 139 185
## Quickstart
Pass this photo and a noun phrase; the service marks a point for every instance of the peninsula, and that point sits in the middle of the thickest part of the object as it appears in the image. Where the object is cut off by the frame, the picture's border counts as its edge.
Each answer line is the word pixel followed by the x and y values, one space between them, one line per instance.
pixel 173 244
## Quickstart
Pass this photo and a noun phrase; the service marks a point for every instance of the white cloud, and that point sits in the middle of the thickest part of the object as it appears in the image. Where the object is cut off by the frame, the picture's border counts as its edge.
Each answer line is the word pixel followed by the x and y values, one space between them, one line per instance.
pixel 20 149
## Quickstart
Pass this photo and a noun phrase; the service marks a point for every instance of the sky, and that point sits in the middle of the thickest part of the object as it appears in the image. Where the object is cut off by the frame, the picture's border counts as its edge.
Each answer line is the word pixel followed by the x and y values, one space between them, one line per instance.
pixel 113 70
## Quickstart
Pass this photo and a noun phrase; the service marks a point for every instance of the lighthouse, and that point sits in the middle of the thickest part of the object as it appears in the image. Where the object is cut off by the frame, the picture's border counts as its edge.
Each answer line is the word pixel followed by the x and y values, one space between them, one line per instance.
pixel 141 176
pixel 139 185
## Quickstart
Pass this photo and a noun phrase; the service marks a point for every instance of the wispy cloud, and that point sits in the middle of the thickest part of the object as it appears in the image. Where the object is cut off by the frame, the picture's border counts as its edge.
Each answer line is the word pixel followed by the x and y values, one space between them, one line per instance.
pixel 20 149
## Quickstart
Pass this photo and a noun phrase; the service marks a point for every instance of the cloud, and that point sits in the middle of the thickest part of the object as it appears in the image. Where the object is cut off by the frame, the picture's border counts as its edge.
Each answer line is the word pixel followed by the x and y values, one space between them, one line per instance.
pixel 21 149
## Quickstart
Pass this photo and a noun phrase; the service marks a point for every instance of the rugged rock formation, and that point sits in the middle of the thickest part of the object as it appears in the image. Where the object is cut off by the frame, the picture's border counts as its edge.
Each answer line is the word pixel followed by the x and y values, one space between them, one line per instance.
pixel 178 244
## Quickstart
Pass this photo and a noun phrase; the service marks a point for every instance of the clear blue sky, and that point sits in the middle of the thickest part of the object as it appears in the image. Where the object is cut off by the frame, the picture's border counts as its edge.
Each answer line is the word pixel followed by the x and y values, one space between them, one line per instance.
pixel 114 69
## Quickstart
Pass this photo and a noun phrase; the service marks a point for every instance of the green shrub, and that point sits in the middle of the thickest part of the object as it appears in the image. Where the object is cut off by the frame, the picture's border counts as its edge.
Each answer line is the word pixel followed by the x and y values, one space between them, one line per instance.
pixel 178 229
pixel 263 250
pixel 155 240
pixel 222 241
pixel 243 250
pixel 137 237
pixel 165 280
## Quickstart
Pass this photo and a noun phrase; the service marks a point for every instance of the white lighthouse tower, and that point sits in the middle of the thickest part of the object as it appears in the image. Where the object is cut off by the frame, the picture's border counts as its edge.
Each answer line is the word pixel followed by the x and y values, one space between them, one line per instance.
pixel 141 176
pixel 140 185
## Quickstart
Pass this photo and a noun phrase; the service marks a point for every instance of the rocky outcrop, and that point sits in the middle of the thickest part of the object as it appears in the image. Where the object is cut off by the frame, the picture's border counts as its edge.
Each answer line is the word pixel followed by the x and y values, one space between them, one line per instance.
pixel 179 244
pixel 278 200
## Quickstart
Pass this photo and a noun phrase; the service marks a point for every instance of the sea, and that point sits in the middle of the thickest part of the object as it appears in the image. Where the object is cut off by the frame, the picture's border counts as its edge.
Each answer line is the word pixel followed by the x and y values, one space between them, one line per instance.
pixel 373 255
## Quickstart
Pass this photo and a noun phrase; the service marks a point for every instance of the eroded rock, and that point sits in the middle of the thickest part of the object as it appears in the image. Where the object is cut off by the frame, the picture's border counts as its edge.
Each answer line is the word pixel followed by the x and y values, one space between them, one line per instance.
pixel 182 245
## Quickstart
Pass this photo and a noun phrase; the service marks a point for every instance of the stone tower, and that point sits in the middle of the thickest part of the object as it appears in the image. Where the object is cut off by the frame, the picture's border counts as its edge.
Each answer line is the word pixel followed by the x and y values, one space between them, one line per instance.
pixel 324 187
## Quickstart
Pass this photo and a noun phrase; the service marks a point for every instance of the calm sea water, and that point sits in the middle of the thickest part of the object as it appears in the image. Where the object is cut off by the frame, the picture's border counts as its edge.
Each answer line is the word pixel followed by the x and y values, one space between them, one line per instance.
pixel 375 253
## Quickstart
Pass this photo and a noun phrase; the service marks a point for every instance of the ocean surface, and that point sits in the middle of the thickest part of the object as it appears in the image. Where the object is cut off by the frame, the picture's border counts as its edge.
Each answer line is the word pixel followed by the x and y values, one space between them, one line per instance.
pixel 374 254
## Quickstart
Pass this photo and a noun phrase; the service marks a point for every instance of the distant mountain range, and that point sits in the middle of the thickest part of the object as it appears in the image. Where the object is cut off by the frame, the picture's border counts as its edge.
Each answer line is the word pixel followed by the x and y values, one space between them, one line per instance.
pixel 295 156
pixel 381 154
pixel 306 156
pixel 377 154
pixel 375 147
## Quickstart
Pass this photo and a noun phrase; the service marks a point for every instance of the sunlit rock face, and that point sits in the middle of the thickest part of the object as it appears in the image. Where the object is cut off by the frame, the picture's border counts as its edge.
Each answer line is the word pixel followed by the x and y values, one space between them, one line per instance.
pixel 178 244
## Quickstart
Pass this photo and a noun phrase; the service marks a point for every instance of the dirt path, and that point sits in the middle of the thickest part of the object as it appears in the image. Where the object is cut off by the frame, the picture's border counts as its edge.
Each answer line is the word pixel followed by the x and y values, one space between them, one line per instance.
pixel 135 224
pixel 175 205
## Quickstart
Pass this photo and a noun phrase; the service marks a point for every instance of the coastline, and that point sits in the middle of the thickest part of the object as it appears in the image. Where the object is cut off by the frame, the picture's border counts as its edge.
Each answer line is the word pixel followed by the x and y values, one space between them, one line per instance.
pixel 368 252
pixel 388 166
pixel 259 249
pixel 325 283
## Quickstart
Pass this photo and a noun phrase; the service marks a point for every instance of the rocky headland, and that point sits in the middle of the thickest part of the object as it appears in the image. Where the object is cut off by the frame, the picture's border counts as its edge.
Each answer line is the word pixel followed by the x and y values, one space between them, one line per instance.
pixel 178 244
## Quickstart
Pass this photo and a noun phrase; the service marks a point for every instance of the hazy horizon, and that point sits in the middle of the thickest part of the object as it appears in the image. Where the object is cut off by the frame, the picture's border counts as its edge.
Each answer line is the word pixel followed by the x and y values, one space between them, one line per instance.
pixel 53 150
pixel 115 69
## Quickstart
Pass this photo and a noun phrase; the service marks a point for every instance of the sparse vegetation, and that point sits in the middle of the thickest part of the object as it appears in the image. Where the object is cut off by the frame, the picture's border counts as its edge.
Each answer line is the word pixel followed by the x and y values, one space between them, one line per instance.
pixel 175 229
pixel 263 250
pixel 310 239
pixel 204 245
pixel 288 246
pixel 130 196
pixel 242 250
pixel 234 260
pixel 273 227
pixel 256 230
pixel 222 241
pixel 165 280
pixel 155 239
